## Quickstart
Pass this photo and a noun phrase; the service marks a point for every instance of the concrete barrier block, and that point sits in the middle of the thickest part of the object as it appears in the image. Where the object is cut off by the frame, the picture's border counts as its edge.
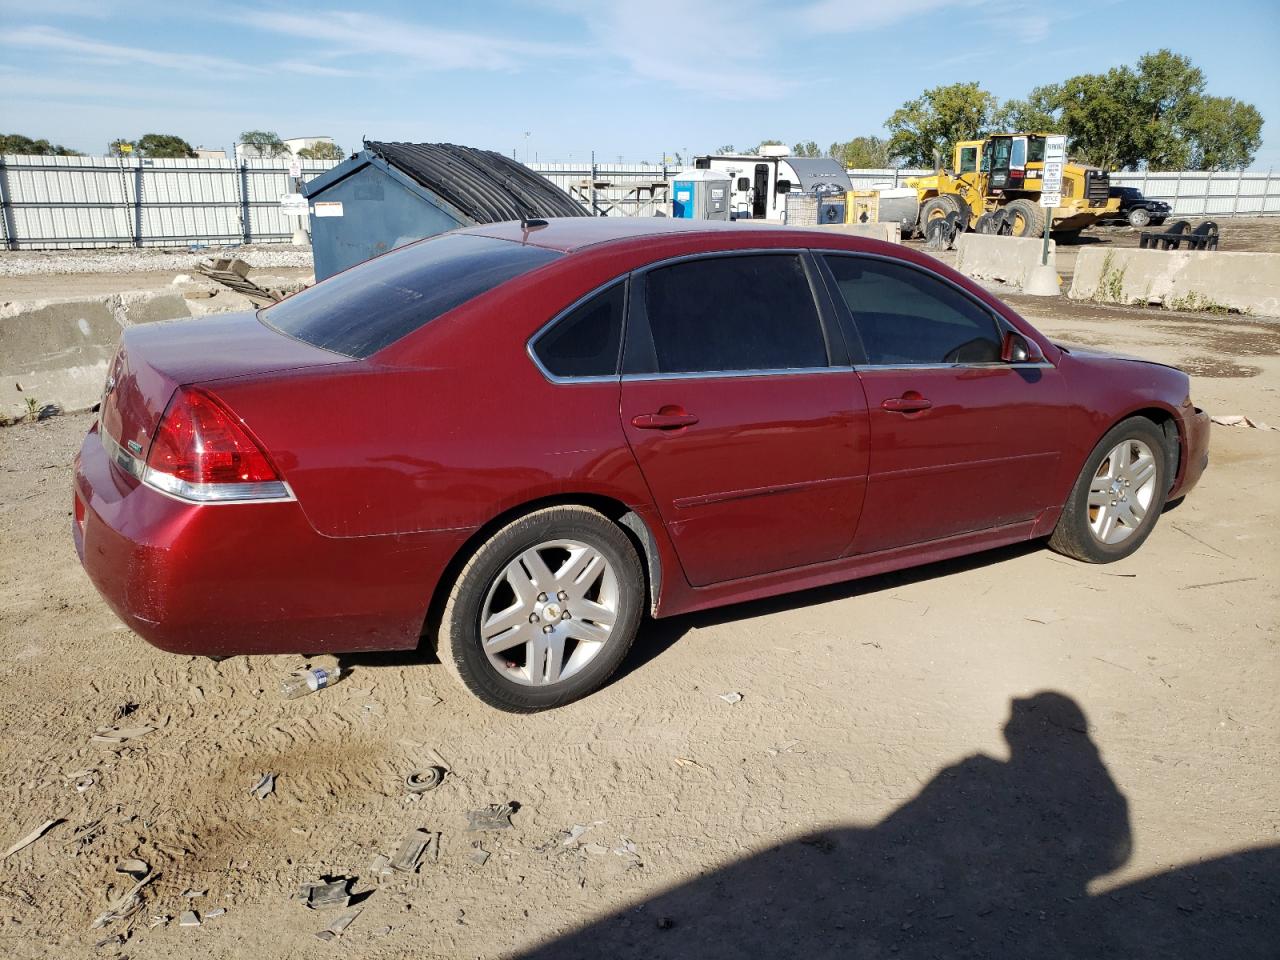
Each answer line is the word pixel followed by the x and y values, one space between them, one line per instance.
pixel 888 232
pixel 55 352
pixel 1180 279
pixel 986 256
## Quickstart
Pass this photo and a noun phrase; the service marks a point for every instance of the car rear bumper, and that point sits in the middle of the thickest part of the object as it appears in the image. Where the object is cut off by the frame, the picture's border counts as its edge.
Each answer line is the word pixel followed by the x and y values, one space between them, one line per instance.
pixel 1195 456
pixel 240 578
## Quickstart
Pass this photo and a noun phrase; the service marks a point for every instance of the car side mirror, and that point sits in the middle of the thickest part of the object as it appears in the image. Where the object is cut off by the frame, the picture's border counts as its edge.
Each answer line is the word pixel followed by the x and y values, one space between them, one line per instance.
pixel 1015 348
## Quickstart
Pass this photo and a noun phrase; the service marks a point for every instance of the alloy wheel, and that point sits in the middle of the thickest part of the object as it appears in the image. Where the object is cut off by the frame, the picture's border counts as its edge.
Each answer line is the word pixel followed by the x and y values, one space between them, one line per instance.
pixel 549 612
pixel 1121 491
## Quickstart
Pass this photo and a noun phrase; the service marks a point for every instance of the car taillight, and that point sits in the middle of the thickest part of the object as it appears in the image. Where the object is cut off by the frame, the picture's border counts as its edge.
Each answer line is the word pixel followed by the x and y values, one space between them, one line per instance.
pixel 202 452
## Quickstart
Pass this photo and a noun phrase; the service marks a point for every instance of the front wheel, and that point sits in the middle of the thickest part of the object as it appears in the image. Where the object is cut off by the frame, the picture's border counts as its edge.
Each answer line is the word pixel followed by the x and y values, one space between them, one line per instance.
pixel 1139 217
pixel 544 611
pixel 1117 497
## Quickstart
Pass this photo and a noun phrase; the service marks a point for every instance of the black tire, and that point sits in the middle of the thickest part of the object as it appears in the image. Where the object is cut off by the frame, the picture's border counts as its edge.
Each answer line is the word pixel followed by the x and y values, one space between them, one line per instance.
pixel 1026 218
pixel 1073 536
pixel 459 641
pixel 1139 217
pixel 935 208
pixel 987 224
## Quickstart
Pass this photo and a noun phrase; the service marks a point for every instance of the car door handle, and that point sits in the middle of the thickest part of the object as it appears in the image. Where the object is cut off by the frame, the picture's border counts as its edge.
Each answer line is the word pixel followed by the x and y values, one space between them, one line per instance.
pixel 663 421
pixel 906 404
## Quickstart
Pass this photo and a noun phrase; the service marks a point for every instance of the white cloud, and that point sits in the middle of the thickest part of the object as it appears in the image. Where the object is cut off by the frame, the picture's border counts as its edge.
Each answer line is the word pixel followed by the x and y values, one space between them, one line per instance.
pixel 714 47
pixel 420 45
pixel 856 16
pixel 48 38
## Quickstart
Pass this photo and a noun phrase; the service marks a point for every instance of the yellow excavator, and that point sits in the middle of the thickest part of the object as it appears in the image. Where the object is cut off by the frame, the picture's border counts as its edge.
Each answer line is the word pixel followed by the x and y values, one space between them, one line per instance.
pixel 994 186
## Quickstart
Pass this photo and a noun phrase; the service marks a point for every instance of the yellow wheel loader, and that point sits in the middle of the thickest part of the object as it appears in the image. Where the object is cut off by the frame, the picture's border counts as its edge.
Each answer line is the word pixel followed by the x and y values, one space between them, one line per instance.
pixel 994 184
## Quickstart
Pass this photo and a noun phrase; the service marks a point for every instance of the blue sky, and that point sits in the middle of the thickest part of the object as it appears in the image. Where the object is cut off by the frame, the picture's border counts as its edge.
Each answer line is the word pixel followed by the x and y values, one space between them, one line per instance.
pixel 626 79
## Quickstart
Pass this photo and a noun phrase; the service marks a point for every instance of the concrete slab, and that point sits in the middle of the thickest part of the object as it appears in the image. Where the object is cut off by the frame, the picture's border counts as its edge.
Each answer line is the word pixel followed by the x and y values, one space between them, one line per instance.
pixel 1180 279
pixel 1007 259
pixel 888 232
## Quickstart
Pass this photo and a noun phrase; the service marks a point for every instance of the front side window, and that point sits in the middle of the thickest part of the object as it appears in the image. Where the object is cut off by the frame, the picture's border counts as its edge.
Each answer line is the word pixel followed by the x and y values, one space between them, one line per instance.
pixel 733 313
pixel 907 317
pixel 586 340
pixel 359 311
pixel 968 159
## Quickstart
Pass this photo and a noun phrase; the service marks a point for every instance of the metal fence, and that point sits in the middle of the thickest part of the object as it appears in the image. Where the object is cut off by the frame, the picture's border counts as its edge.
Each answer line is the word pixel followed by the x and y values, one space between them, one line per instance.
pixel 1191 193
pixel 61 202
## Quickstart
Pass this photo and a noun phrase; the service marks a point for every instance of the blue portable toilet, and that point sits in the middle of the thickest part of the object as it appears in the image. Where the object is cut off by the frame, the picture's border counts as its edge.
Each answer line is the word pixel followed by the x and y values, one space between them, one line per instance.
pixel 390 194
pixel 700 195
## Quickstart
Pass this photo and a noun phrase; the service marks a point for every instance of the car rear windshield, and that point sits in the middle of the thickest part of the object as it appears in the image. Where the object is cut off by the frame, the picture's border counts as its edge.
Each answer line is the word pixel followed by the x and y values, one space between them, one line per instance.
pixel 361 310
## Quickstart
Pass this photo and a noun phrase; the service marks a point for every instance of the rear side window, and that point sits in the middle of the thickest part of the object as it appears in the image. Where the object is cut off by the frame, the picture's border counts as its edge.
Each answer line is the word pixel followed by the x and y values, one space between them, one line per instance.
pixel 905 316
pixel 586 340
pixel 361 310
pixel 753 312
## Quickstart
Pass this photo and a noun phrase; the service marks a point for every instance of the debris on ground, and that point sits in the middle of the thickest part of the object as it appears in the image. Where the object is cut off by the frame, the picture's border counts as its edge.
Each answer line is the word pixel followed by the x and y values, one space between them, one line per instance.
pixel 191 893
pixel 189 918
pixel 35 835
pixel 381 866
pixel 686 762
pixel 233 273
pixel 1237 420
pixel 731 697
pixel 160 920
pixel 627 850
pixel 115 940
pixel 219 911
pixel 120 734
pixel 496 816
pixel 787 746
pixel 83 779
pixel 134 867
pixel 411 850
pixel 302 682
pixel 125 904
pixel 575 832
pixel 420 781
pixel 265 786
pixel 340 923
pixel 478 855
pixel 326 893
pixel 665 923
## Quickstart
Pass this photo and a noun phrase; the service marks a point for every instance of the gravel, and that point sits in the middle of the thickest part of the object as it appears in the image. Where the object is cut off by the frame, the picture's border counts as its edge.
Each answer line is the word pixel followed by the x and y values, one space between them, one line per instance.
pixel 23 263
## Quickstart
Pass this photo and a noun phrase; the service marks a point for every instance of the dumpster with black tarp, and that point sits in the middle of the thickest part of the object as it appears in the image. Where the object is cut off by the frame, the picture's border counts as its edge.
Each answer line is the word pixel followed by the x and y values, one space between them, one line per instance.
pixel 390 194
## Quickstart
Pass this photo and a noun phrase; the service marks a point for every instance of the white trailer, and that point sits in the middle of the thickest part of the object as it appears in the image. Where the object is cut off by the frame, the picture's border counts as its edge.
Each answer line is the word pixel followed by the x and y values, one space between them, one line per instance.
pixel 760 184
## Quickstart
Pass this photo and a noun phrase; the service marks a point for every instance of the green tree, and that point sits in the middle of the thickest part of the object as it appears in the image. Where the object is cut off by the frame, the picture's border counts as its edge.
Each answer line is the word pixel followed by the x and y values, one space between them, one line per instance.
pixel 806 148
pixel 1037 113
pixel 725 151
pixel 16 143
pixel 862 153
pixel 323 150
pixel 116 147
pixel 1225 134
pixel 266 143
pixel 935 120
pixel 163 145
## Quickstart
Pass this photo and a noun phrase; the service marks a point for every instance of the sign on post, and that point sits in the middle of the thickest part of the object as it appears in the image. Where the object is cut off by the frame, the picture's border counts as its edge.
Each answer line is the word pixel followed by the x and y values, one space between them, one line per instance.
pixel 1055 155
pixel 295 168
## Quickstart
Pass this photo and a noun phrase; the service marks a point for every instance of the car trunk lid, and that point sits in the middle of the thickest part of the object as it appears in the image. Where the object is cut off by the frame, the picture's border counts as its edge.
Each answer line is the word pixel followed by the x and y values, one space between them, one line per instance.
pixel 155 359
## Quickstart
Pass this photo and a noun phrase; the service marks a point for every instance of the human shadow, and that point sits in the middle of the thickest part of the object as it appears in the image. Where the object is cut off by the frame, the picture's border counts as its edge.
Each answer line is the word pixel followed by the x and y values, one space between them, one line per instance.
pixel 991 859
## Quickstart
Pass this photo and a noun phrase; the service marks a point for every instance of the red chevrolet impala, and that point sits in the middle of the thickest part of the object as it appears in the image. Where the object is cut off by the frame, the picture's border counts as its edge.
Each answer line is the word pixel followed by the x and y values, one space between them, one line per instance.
pixel 515 440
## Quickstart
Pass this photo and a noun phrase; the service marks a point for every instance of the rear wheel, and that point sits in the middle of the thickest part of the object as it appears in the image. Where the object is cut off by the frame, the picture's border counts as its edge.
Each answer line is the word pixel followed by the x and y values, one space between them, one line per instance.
pixel 1026 218
pixel 544 611
pixel 1118 495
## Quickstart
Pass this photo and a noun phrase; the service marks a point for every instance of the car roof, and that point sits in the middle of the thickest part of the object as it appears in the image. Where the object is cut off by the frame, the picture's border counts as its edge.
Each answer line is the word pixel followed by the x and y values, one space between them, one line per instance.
pixel 567 234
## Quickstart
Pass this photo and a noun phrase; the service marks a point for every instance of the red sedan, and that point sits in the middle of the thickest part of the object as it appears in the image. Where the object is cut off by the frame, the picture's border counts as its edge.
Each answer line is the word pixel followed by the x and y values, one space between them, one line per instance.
pixel 516 440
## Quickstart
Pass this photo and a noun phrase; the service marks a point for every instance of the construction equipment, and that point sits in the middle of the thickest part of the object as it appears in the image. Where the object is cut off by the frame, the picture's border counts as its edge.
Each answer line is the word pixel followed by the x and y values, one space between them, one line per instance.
pixel 995 184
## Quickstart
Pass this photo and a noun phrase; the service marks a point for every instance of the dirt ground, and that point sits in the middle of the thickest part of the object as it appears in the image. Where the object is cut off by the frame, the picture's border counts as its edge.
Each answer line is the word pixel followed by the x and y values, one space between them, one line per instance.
pixel 1010 755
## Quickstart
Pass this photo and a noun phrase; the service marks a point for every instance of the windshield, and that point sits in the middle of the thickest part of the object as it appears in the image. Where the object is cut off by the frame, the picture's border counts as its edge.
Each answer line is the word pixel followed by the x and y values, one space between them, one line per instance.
pixel 361 310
